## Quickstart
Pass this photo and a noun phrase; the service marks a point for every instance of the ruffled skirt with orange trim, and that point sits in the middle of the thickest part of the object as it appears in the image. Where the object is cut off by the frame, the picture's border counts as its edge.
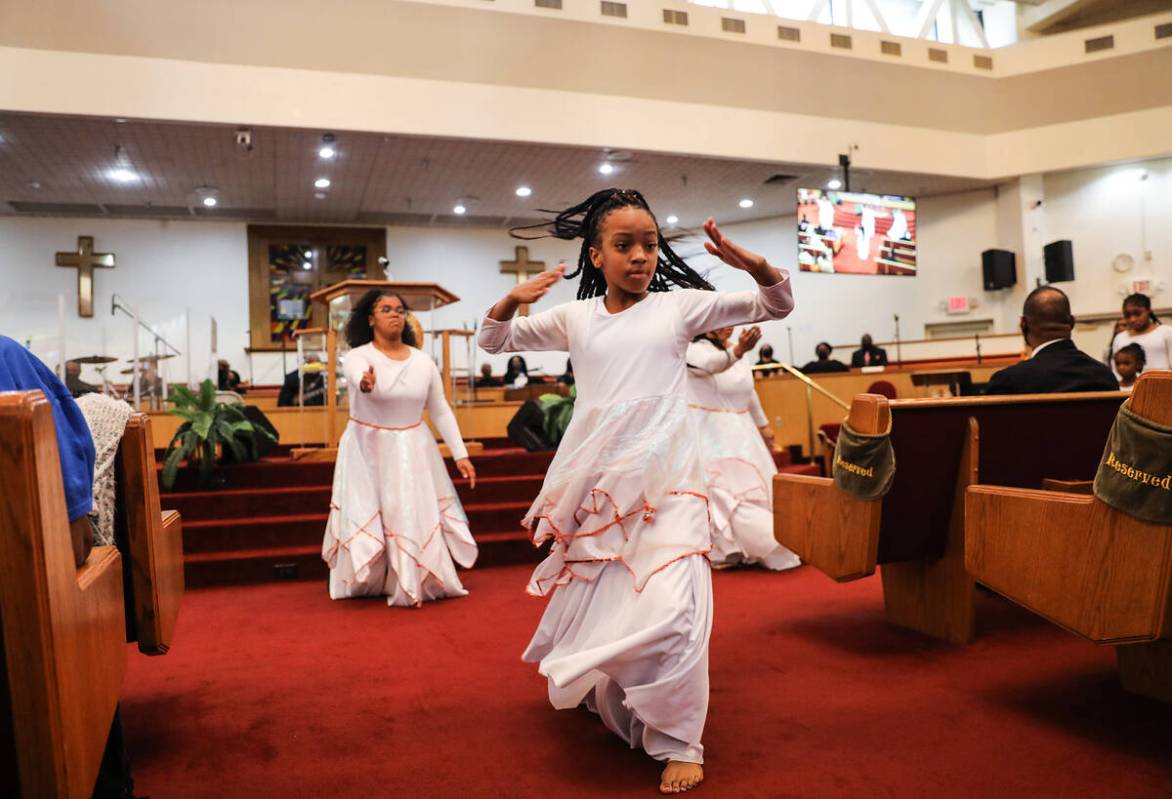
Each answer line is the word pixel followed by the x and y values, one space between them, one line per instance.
pixel 738 472
pixel 396 527
pixel 624 488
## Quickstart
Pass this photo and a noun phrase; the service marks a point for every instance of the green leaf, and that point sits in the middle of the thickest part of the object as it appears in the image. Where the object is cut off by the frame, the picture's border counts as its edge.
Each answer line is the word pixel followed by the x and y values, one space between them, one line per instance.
pixel 171 466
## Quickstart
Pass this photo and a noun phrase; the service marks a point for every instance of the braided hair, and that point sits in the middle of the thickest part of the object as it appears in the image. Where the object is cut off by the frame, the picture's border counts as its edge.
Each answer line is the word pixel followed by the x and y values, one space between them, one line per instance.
pixel 584 221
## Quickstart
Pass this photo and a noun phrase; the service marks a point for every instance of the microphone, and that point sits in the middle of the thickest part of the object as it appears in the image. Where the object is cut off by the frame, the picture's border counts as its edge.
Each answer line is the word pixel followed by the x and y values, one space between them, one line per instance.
pixel 113 304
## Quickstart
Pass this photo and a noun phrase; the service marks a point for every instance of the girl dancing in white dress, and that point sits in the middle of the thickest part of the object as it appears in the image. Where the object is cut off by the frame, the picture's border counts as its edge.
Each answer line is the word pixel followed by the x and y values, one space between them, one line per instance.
pixel 630 611
pixel 735 442
pixel 395 523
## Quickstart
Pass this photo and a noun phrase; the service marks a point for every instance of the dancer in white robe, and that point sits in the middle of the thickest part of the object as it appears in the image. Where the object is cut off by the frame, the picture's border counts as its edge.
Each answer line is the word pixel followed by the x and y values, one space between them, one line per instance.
pixel 627 625
pixel 396 527
pixel 735 441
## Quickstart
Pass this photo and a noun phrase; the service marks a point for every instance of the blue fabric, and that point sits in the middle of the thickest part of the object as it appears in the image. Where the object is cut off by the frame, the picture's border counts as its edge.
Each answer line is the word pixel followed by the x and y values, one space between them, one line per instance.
pixel 20 370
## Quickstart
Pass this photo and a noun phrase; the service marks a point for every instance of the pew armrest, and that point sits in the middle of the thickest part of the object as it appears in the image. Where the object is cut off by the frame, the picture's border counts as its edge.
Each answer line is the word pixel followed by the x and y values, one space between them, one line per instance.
pixel 828 529
pixel 1072 559
pixel 166 586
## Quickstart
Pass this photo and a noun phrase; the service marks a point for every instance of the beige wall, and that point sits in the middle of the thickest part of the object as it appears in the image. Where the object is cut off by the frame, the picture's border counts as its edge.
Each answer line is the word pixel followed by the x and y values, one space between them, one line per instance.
pixel 421 68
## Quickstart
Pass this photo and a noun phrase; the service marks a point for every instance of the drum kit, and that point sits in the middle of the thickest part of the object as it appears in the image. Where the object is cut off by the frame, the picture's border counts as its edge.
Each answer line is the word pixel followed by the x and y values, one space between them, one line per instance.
pixel 147 366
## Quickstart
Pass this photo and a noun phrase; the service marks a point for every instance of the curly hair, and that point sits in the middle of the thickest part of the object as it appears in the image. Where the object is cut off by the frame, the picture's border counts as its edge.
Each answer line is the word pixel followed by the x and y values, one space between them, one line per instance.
pixel 584 221
pixel 358 329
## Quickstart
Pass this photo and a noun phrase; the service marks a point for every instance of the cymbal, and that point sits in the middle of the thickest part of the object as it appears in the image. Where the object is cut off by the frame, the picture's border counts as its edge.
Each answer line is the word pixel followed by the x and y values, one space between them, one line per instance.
pixel 152 358
pixel 94 359
pixel 130 371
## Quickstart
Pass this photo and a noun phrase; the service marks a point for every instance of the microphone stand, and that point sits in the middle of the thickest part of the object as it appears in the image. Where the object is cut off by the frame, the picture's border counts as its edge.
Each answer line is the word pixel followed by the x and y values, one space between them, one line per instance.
pixel 898 345
pixel 978 335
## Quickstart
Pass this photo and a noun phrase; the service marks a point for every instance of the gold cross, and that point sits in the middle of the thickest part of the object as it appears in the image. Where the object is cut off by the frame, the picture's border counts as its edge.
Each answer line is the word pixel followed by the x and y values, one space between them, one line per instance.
pixel 84 260
pixel 524 269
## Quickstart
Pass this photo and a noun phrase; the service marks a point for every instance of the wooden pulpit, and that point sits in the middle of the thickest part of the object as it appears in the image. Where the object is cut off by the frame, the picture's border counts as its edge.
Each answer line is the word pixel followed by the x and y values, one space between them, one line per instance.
pixel 340 299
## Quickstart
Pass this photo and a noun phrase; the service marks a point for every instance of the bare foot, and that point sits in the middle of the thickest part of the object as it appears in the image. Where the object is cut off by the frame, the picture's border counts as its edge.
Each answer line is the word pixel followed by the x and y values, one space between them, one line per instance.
pixel 680 776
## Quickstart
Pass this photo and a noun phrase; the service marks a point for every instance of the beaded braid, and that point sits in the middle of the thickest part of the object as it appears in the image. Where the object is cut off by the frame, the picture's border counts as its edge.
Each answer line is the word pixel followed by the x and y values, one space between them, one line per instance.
pixel 584 221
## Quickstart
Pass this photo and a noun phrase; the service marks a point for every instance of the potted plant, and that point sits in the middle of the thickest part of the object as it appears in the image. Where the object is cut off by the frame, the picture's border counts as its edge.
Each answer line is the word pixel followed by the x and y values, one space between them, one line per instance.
pixel 208 427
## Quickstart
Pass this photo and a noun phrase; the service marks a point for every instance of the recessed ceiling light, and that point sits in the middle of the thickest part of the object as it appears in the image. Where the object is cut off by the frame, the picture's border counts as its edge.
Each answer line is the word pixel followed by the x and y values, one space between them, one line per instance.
pixel 459 210
pixel 834 184
pixel 746 203
pixel 309 254
pixel 210 202
pixel 524 191
pixel 306 265
pixel 326 151
pixel 321 183
pixel 122 175
pixel 673 219
pixel 606 167
pixel 35 185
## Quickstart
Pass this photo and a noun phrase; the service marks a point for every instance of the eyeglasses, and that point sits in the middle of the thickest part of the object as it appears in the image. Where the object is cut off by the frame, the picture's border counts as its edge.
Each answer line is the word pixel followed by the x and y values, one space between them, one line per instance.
pixel 387 310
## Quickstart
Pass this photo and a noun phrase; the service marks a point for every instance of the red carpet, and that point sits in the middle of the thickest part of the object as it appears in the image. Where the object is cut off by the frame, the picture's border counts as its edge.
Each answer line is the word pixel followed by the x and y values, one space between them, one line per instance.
pixel 275 691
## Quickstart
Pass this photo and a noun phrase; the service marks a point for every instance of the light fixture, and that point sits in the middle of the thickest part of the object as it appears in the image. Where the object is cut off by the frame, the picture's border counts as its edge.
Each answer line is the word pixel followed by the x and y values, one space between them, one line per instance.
pixel 673 220
pixel 746 203
pixel 319 195
pixel 459 210
pixel 321 183
pixel 606 167
pixel 122 174
pixel 306 265
pixel 35 185
pixel 208 196
pixel 309 254
pixel 327 150
pixel 834 184
pixel 523 191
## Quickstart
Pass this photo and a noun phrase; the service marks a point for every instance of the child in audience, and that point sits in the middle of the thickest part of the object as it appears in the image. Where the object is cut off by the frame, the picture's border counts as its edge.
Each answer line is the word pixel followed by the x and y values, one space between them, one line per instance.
pixel 1129 364
pixel 1145 329
pixel 626 629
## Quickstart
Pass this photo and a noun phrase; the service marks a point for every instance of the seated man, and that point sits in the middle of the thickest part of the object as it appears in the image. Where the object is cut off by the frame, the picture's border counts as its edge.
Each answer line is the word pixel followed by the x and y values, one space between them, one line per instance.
pixel 73 380
pixel 824 362
pixel 20 370
pixel 868 354
pixel 486 380
pixel 315 384
pixel 1055 365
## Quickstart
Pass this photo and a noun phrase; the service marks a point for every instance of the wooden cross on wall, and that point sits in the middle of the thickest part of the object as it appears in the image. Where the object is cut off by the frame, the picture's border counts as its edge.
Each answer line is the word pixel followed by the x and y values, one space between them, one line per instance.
pixel 524 269
pixel 84 261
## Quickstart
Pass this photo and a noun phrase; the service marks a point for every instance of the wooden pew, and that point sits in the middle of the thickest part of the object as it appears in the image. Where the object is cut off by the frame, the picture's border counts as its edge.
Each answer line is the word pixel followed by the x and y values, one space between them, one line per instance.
pixel 152 541
pixel 916 532
pixel 1087 567
pixel 63 627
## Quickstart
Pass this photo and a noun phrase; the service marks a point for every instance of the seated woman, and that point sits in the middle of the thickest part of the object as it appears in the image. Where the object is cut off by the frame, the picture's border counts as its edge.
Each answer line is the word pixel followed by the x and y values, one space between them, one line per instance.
pixel 516 373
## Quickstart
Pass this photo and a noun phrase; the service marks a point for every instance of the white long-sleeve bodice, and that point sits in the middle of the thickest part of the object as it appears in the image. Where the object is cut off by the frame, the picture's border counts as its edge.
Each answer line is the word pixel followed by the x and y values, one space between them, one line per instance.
pixel 402 390
pixel 641 351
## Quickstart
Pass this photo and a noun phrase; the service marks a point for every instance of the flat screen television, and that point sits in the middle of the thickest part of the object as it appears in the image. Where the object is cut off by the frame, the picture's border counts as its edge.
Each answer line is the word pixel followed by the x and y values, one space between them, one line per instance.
pixel 847 232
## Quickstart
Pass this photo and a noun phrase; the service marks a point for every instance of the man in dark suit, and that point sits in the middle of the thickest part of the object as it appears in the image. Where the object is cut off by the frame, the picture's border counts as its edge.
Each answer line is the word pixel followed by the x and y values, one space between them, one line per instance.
pixel 868 354
pixel 825 363
pixel 1056 365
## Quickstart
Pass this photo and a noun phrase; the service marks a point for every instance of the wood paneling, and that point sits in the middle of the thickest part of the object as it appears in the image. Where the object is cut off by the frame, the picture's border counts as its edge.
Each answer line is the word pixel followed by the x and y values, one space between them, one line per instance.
pixel 154 541
pixel 64 628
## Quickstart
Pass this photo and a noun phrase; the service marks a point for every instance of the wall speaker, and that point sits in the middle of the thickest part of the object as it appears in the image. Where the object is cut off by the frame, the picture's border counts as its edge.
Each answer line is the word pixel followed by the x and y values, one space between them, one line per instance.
pixel 1059 262
pixel 999 268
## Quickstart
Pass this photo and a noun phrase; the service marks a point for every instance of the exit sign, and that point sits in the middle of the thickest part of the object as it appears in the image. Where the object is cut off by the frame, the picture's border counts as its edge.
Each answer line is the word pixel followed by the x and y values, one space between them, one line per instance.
pixel 959 305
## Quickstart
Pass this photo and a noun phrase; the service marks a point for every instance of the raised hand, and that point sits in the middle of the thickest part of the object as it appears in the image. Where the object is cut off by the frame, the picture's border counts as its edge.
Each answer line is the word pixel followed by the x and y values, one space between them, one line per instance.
pixel 467 471
pixel 367 384
pixel 738 257
pixel 537 286
pixel 747 341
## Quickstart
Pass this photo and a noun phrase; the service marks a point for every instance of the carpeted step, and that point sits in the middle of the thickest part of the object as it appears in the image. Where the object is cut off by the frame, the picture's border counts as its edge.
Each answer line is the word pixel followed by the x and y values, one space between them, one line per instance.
pixel 242 503
pixel 304 562
pixel 287 473
pixel 264 532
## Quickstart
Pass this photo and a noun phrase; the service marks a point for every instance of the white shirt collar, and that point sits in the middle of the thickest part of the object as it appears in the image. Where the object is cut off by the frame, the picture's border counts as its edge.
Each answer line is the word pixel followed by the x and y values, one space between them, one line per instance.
pixel 1043 346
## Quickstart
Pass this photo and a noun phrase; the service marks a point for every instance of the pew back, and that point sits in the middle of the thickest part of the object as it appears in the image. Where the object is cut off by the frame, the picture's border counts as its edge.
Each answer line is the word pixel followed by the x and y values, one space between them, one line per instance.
pixel 63 628
pixel 152 541
pixel 1022 441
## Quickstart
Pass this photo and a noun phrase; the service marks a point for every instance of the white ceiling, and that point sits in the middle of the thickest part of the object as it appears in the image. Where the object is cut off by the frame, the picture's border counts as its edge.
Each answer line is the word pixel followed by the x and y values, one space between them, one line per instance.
pixel 58 166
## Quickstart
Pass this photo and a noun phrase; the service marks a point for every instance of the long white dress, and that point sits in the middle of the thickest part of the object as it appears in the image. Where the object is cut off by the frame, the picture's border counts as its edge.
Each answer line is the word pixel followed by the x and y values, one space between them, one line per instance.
pixel 626 628
pixel 737 464
pixel 395 523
